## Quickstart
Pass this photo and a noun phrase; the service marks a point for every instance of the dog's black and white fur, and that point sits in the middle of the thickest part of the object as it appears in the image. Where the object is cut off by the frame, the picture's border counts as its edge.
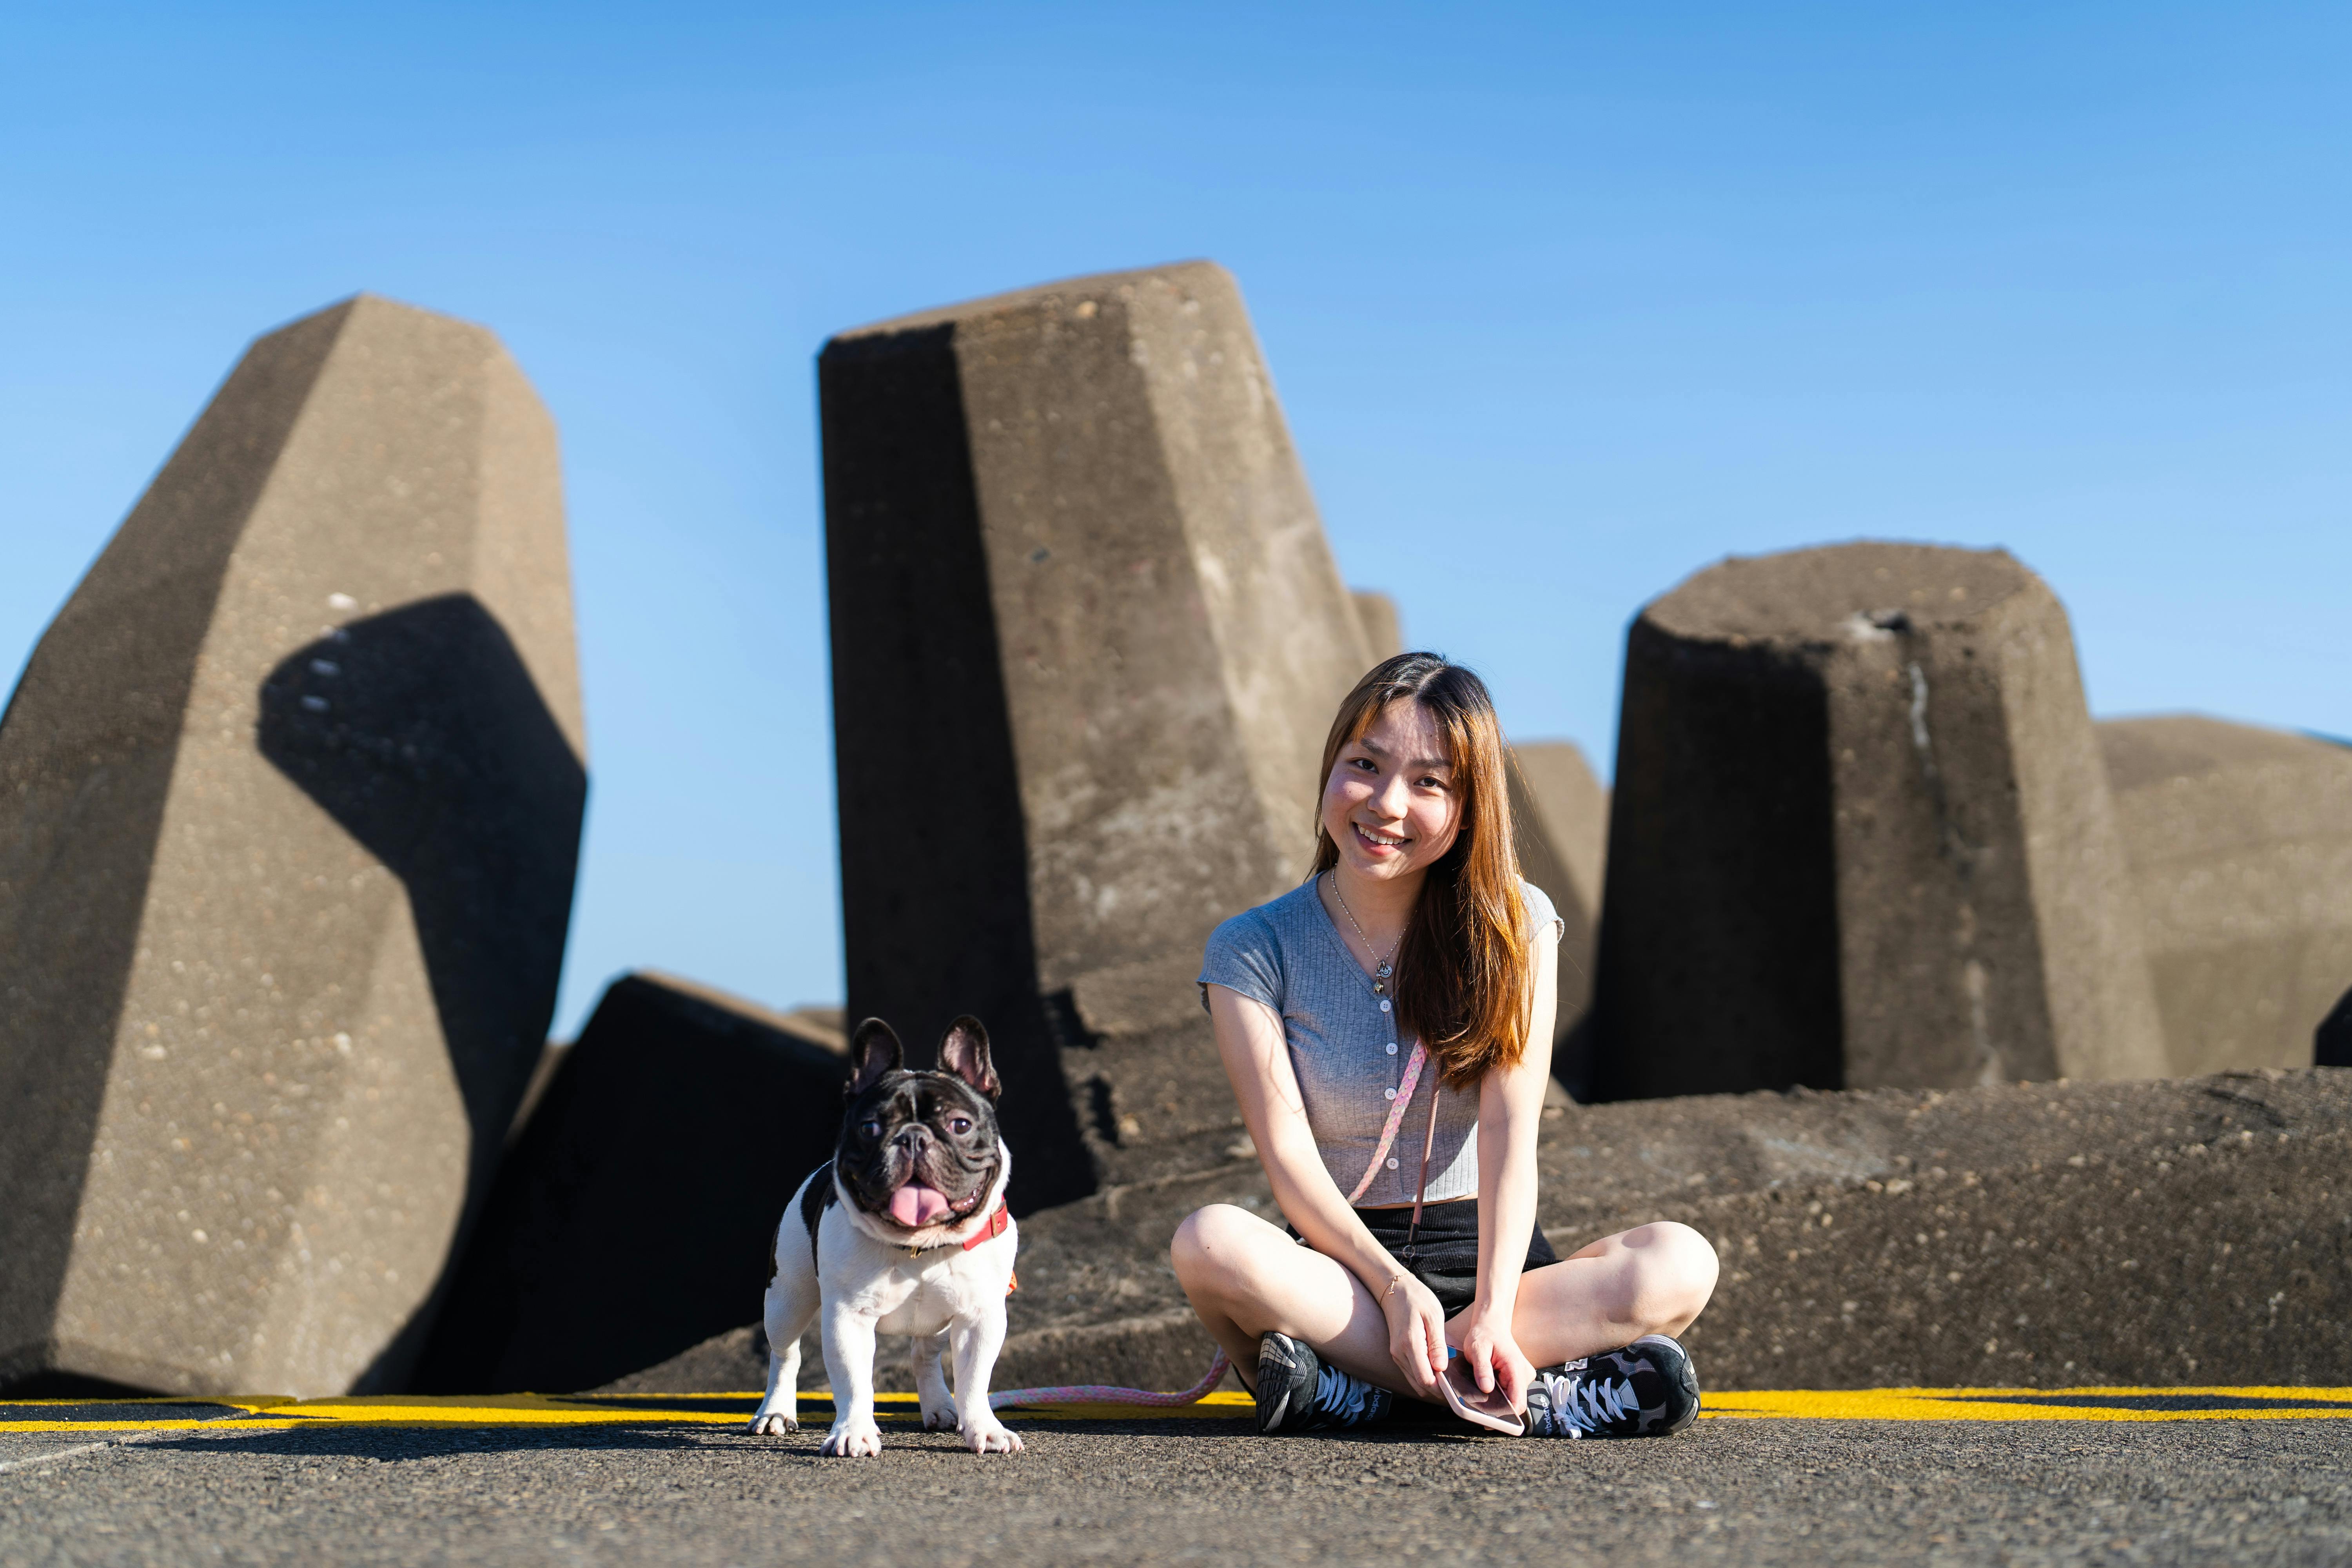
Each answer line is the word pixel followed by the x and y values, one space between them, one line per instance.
pixel 842 1253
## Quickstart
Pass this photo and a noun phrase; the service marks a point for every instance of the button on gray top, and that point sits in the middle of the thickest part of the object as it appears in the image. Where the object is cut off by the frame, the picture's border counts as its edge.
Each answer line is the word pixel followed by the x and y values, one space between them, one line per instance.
pixel 1288 955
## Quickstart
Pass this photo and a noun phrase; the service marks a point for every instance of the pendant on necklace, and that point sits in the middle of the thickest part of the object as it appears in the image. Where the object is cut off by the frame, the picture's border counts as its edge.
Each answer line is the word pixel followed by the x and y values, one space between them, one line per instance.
pixel 1379 987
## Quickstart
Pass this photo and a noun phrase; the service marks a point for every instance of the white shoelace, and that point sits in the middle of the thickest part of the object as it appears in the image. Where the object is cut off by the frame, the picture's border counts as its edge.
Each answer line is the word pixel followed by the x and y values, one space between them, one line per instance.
pixel 1586 1405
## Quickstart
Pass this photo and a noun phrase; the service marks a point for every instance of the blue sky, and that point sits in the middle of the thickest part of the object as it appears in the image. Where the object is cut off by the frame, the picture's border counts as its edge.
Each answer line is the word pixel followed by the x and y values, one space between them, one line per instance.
pixel 1563 302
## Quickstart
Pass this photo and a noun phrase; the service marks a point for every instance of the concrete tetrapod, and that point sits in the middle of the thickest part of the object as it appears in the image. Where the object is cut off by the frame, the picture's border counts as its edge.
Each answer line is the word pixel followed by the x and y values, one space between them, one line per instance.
pixel 1070 547
pixel 2240 845
pixel 1862 835
pixel 295 784
pixel 1562 816
pixel 1383 630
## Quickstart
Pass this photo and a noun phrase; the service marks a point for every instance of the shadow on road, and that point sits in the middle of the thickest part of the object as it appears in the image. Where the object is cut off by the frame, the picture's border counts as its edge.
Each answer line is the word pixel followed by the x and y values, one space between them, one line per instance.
pixel 322 1439
pixel 388 1443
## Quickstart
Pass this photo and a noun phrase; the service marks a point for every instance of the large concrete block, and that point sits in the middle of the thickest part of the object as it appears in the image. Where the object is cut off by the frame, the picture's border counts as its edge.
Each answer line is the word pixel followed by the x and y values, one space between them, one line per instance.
pixel 1383 629
pixel 2240 845
pixel 289 808
pixel 1087 638
pixel 633 1219
pixel 1561 811
pixel 1862 837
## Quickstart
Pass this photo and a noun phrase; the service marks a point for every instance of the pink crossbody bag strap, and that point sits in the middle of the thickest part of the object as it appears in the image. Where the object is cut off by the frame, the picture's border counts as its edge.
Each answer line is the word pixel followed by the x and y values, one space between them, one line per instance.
pixel 1413 1066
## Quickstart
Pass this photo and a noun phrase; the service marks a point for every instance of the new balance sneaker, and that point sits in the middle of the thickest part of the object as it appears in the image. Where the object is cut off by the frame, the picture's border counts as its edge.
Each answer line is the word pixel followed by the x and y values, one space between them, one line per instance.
pixel 1297 1393
pixel 1648 1389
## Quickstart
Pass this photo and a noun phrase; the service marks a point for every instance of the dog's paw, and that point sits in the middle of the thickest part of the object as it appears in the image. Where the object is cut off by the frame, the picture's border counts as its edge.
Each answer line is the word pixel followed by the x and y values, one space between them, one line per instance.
pixel 772 1424
pixel 853 1440
pixel 941 1417
pixel 989 1436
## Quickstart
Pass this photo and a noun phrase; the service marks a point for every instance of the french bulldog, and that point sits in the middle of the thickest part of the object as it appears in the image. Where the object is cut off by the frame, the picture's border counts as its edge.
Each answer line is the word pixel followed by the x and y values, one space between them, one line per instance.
pixel 903 1231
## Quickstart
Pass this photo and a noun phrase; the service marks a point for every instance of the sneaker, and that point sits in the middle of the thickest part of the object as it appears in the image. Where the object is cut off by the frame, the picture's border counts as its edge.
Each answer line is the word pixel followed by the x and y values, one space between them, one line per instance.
pixel 1648 1389
pixel 1297 1393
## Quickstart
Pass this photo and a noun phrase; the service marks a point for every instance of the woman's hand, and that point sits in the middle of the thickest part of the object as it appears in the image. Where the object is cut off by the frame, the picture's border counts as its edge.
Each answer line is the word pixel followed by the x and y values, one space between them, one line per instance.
pixel 1492 1356
pixel 1416 1334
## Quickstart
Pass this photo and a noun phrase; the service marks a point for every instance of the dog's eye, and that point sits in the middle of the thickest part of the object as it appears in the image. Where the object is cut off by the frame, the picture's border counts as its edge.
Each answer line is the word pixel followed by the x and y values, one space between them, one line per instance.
pixel 960 1125
pixel 870 1130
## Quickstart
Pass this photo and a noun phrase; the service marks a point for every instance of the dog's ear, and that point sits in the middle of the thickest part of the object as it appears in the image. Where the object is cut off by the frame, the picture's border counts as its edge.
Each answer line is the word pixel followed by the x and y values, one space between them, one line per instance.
pixel 964 1052
pixel 874 1050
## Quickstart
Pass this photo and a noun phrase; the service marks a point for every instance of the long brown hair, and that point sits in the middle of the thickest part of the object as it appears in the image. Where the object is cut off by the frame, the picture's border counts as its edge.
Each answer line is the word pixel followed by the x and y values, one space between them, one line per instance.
pixel 1462 980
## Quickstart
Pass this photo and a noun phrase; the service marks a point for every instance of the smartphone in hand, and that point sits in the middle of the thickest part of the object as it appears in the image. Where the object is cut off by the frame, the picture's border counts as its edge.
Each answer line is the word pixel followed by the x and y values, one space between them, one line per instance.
pixel 1492 1411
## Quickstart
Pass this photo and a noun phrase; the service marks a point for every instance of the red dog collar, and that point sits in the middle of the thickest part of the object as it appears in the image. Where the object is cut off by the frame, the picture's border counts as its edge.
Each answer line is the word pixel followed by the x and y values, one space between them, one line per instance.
pixel 997 1222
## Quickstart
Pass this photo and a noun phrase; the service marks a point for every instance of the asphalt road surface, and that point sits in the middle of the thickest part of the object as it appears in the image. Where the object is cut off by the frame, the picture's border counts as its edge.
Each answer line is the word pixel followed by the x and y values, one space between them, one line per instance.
pixel 1147 1491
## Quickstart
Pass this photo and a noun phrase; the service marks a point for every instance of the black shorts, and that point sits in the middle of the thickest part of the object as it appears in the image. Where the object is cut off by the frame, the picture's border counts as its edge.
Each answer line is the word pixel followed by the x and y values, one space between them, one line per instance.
pixel 1444 1254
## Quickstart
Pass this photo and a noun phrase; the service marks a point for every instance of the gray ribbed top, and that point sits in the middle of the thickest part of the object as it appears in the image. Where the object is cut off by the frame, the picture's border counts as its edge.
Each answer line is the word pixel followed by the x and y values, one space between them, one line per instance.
pixel 1346 1048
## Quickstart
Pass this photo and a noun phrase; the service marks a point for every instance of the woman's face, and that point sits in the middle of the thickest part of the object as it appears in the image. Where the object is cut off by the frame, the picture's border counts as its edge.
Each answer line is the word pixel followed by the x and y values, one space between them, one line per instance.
pixel 1392 803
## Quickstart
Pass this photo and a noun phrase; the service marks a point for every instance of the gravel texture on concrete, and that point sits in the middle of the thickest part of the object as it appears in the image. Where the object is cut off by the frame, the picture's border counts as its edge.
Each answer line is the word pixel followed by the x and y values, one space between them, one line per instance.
pixel 1728 1491
pixel 2185 1231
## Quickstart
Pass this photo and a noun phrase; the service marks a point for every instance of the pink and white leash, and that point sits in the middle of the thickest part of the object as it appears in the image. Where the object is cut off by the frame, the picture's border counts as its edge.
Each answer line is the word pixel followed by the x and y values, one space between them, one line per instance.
pixel 1107 1393
pixel 1413 1066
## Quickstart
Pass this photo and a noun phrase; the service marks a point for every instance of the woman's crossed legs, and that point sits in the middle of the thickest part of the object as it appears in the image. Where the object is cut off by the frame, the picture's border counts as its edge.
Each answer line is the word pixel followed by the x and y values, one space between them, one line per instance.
pixel 1247 1278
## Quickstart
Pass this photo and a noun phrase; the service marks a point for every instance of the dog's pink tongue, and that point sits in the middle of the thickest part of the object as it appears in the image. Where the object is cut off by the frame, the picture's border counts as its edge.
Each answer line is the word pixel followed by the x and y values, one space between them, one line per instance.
pixel 914 1204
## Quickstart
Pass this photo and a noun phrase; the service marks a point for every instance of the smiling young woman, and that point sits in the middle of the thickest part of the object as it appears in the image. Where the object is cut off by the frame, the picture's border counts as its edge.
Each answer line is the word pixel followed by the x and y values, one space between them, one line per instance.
pixel 1387 1028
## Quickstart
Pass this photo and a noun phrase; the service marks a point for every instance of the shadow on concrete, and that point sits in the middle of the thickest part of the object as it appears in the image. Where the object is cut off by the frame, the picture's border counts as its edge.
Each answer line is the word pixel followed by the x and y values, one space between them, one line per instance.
pixel 935 915
pixel 1720 835
pixel 72 1386
pixel 2331 1042
pixel 422 733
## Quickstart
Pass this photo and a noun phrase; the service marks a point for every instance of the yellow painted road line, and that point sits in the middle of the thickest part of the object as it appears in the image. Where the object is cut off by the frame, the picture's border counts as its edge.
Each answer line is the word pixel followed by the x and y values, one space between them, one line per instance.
pixel 461 1410
pixel 52 1414
pixel 504 1410
pixel 159 1401
pixel 160 1425
pixel 282 1415
pixel 2038 1404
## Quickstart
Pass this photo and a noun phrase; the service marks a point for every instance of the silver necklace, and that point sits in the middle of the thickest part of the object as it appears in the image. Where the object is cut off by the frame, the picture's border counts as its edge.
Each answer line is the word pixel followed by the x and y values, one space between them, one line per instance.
pixel 1381 970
